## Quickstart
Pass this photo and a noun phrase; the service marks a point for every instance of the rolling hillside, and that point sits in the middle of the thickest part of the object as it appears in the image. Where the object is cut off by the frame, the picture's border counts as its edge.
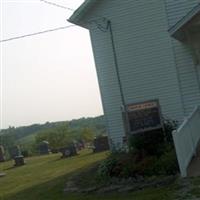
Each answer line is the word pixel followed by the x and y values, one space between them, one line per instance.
pixel 26 134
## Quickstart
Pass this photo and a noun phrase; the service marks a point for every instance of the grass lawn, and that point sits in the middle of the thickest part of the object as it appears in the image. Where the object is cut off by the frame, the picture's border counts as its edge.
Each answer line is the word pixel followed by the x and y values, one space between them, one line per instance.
pixel 44 178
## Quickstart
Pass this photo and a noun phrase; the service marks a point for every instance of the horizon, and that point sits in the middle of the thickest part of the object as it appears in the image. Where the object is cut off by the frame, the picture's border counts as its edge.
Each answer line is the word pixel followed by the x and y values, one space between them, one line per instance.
pixel 51 122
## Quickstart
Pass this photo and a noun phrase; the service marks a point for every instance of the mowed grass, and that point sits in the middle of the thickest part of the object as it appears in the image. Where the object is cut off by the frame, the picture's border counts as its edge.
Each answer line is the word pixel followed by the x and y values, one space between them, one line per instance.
pixel 45 177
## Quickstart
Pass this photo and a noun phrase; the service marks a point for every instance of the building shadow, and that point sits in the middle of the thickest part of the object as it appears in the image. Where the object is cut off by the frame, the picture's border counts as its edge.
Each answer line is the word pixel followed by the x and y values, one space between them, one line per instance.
pixel 50 190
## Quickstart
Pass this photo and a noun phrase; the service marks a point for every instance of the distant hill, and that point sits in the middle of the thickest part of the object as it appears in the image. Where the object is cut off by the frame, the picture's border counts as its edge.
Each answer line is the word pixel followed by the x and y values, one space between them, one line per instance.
pixel 27 133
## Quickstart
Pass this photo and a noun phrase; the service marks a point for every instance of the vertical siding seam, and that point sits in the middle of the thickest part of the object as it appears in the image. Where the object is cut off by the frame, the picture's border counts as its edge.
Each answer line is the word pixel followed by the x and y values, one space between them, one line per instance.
pixel 175 63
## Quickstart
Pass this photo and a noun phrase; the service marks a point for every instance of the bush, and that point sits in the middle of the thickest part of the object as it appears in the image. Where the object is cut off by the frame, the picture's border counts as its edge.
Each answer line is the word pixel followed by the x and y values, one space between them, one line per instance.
pixel 169 126
pixel 105 169
pixel 147 144
pixel 153 143
pixel 167 164
pixel 125 165
pixel 149 154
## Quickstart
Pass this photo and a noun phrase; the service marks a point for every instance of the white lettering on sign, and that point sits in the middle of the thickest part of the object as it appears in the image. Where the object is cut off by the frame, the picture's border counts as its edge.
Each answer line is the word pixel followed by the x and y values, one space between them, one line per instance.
pixel 142 106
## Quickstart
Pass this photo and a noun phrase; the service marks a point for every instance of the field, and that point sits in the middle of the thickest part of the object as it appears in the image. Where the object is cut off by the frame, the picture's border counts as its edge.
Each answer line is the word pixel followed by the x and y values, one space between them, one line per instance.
pixel 45 177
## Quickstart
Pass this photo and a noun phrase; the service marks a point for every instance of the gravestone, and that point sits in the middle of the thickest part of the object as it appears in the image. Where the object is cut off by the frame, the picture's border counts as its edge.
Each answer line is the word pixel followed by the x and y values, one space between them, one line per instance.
pixel 44 148
pixel 17 156
pixel 101 144
pixel 19 161
pixel 68 151
pixel 2 154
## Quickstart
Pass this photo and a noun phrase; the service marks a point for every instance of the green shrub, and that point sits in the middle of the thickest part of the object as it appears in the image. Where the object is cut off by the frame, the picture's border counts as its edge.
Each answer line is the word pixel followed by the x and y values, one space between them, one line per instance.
pixel 152 143
pixel 147 144
pixel 169 126
pixel 167 164
pixel 143 168
pixel 125 165
pixel 105 169
pixel 150 154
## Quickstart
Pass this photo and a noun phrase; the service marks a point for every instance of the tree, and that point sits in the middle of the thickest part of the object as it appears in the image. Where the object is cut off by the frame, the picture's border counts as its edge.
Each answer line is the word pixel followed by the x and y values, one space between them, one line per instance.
pixel 87 134
pixel 57 137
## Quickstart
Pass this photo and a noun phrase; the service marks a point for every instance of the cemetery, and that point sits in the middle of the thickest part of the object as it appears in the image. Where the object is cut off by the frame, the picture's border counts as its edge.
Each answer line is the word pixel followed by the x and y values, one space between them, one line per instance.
pixel 77 172
pixel 150 163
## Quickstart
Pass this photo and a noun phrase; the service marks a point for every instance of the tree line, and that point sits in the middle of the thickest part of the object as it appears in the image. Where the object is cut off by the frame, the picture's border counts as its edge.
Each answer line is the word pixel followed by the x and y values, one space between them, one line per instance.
pixel 58 134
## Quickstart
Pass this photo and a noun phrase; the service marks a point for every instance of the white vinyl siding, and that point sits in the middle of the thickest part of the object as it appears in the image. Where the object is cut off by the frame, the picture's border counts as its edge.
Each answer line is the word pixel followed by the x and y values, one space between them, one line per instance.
pixel 177 9
pixel 152 65
pixel 145 58
pixel 187 70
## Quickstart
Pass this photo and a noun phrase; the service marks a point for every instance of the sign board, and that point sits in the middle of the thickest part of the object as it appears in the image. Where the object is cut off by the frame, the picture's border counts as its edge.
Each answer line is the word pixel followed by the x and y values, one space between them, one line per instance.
pixel 144 116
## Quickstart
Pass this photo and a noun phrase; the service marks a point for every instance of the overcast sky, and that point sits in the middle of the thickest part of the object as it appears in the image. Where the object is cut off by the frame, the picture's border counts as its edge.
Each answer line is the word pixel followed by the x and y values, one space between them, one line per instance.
pixel 49 77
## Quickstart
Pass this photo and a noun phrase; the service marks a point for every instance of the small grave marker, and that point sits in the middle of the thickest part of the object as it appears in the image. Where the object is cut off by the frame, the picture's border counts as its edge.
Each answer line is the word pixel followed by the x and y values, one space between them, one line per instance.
pixel 17 156
pixel 19 161
pixel 68 151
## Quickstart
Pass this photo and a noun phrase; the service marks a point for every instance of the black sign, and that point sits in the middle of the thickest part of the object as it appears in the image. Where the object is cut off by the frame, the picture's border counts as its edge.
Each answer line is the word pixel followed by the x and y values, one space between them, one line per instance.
pixel 144 116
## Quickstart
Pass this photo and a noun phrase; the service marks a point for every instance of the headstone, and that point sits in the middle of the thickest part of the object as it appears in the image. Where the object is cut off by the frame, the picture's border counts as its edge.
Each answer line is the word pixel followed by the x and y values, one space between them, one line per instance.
pixel 19 161
pixel 101 144
pixel 68 151
pixel 44 148
pixel 2 154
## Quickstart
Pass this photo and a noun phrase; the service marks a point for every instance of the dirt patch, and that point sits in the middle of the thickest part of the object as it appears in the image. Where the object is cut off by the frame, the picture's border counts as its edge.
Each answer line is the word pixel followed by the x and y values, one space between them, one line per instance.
pixel 121 186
